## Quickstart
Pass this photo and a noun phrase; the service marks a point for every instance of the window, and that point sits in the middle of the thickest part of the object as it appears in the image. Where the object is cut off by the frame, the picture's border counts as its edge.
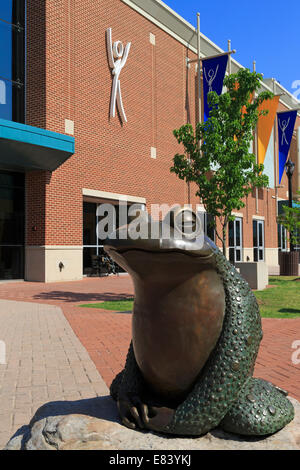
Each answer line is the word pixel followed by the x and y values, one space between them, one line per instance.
pixel 283 234
pixel 282 237
pixel 235 240
pixel 258 240
pixel 92 245
pixel 207 220
pixel 12 63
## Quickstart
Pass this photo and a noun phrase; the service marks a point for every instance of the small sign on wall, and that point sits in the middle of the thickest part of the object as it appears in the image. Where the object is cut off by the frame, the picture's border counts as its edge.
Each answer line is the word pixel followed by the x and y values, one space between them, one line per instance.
pixel 69 127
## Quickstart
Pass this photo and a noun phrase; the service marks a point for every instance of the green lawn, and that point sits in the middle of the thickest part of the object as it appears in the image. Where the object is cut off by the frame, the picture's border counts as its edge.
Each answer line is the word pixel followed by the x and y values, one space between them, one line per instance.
pixel 281 301
pixel 117 305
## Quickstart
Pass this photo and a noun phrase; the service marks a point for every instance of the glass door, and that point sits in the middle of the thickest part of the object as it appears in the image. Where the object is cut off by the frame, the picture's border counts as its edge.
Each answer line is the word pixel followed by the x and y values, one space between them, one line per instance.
pixel 92 245
pixel 12 226
pixel 207 224
pixel 258 240
pixel 235 240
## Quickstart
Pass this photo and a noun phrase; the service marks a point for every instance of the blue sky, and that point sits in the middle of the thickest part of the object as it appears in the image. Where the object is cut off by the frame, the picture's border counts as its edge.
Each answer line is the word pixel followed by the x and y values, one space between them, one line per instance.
pixel 262 30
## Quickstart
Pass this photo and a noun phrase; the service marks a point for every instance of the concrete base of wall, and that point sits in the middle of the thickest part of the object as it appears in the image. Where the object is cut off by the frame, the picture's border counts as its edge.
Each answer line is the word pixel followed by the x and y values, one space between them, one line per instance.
pixel 256 274
pixel 274 270
pixel 271 257
pixel 53 263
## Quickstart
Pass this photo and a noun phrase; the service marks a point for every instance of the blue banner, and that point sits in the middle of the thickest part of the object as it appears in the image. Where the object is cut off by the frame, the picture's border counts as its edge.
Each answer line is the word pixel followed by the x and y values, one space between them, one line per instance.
pixel 286 124
pixel 213 76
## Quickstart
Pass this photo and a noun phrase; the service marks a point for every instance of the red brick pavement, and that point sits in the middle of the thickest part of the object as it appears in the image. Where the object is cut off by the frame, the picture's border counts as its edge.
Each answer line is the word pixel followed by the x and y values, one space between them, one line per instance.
pixel 106 335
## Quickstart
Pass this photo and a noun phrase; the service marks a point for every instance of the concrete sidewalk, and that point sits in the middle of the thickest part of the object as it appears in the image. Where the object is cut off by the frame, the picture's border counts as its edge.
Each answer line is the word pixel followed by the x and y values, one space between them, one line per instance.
pixel 45 361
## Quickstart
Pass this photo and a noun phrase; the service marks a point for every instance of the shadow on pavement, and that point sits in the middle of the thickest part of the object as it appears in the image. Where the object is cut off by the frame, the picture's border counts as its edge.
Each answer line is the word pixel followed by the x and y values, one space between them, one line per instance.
pixel 289 310
pixel 65 296
pixel 99 407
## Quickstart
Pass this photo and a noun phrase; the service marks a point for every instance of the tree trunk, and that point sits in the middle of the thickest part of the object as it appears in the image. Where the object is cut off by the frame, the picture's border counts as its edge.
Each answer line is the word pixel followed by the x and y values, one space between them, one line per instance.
pixel 224 239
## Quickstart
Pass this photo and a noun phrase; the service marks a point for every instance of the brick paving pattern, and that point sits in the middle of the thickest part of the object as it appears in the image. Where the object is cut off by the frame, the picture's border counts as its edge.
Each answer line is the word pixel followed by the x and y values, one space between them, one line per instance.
pixel 106 335
pixel 44 362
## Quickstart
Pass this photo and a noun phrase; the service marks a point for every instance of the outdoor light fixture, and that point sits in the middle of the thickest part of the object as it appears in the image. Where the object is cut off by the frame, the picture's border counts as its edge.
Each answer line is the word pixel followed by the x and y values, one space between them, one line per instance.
pixel 289 169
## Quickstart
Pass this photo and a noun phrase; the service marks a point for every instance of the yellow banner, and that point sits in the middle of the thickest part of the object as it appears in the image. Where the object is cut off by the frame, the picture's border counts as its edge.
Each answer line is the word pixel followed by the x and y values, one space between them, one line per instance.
pixel 265 126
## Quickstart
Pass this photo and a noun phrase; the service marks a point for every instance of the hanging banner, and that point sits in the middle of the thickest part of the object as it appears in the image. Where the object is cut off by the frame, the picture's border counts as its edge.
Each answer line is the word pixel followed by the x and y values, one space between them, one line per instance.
pixel 265 125
pixel 286 124
pixel 214 70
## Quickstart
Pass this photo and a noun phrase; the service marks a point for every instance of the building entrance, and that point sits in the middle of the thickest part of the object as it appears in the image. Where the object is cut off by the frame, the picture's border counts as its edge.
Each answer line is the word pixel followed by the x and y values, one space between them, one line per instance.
pixel 92 245
pixel 12 225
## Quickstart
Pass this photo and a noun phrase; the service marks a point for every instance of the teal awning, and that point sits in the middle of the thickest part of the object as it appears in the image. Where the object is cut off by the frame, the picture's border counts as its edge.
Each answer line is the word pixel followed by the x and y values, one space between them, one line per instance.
pixel 27 148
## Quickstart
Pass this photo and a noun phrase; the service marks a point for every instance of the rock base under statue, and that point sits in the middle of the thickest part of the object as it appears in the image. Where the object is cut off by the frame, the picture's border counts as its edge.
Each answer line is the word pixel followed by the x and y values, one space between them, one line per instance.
pixel 93 424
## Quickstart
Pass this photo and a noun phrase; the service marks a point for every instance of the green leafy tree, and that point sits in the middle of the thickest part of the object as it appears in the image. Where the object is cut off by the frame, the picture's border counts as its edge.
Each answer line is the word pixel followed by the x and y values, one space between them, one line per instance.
pixel 217 156
pixel 290 219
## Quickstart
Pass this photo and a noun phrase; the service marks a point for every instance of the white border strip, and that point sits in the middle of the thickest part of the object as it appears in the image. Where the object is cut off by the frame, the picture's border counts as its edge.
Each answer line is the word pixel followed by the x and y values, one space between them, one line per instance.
pixel 161 25
pixel 113 196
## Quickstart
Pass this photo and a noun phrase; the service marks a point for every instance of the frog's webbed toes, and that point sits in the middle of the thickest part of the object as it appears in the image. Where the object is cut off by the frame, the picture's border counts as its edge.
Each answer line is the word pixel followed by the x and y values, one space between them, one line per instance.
pixel 261 408
pixel 159 418
pixel 133 412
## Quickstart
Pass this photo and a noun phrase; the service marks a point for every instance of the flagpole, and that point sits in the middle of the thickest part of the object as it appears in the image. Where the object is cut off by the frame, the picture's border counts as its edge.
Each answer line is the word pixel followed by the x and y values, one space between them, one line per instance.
pixel 256 149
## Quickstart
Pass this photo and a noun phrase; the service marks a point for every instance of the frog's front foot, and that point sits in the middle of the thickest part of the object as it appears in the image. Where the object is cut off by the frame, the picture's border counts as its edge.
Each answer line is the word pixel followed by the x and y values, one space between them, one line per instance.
pixel 133 412
pixel 159 418
pixel 136 414
pixel 261 409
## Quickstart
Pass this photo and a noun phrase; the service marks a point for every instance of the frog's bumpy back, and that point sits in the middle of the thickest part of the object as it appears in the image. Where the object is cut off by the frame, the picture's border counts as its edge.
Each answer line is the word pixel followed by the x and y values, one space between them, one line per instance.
pixel 225 389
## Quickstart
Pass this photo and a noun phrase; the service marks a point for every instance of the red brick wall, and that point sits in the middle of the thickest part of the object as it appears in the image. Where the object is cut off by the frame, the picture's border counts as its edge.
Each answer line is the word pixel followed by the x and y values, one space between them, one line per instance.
pixel 68 77
pixel 76 85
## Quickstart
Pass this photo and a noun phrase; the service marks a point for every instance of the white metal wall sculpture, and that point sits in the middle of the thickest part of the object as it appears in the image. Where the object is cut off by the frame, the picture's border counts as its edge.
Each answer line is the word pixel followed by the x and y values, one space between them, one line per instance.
pixel 211 77
pixel 117 57
pixel 283 126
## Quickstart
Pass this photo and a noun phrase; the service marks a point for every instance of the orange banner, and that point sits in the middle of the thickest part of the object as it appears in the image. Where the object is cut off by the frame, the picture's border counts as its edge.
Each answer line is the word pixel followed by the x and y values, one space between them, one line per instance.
pixel 265 126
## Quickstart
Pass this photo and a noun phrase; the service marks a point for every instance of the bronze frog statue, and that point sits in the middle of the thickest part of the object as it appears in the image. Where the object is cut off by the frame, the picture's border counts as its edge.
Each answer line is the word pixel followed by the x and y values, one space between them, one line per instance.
pixel 196 330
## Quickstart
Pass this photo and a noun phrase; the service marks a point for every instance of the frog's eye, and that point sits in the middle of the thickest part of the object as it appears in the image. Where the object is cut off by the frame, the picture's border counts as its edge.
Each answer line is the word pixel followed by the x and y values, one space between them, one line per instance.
pixel 184 220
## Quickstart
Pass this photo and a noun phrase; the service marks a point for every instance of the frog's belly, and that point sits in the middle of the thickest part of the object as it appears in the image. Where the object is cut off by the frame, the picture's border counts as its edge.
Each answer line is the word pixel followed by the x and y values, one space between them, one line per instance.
pixel 173 340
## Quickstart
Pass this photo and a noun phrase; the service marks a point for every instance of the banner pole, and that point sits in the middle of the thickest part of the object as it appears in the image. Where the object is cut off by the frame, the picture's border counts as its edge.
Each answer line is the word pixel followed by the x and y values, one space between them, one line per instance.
pixel 256 149
pixel 199 66
pixel 190 61
pixel 229 57
pixel 275 156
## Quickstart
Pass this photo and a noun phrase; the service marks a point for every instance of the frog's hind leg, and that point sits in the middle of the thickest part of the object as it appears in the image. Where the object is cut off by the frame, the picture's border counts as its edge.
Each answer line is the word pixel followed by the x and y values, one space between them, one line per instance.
pixel 261 408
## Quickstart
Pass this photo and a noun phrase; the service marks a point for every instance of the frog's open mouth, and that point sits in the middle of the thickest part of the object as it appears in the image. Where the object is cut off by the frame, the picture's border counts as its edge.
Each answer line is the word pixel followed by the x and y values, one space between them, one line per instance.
pixel 192 254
